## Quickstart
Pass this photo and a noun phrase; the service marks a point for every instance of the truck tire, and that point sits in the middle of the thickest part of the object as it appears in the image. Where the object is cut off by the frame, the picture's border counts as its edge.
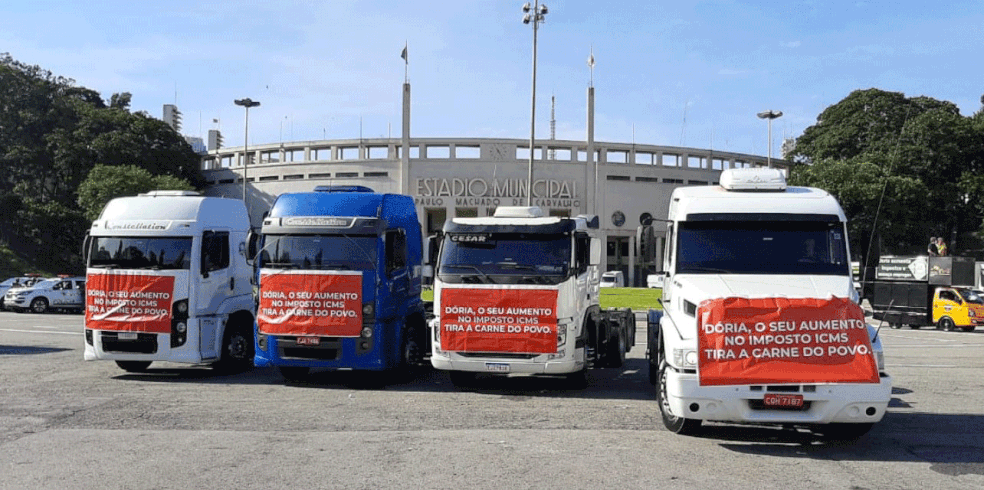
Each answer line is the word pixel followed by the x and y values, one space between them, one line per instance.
pixel 237 350
pixel 293 373
pixel 946 323
pixel 615 350
pixel 673 423
pixel 39 305
pixel 133 366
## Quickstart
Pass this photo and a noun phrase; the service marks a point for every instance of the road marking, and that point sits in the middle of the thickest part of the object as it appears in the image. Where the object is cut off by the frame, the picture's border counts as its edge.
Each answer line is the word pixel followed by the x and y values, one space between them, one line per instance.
pixel 36 331
pixel 922 365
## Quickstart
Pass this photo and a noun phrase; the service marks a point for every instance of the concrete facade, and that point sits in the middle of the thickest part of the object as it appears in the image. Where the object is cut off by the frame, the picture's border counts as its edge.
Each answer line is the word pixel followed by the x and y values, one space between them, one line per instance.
pixel 625 184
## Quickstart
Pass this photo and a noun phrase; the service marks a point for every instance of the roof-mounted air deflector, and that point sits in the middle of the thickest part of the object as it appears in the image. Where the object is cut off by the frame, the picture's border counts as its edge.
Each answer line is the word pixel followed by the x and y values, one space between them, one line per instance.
pixel 753 179
pixel 169 193
pixel 518 212
pixel 343 188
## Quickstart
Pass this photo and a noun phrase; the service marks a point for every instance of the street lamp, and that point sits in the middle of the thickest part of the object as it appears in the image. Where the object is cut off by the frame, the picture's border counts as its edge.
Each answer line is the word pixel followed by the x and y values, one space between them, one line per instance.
pixel 535 14
pixel 770 115
pixel 247 103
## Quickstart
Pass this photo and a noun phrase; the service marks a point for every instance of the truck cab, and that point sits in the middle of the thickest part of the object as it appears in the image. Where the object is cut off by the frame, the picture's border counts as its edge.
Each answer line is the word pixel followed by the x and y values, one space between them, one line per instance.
pixel 517 292
pixel 168 280
pixel 339 274
pixel 760 321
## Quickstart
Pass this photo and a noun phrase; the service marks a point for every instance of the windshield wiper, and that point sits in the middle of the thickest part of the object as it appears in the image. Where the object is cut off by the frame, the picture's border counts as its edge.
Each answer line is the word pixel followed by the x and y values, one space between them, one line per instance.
pixel 282 265
pixel 476 269
pixel 513 265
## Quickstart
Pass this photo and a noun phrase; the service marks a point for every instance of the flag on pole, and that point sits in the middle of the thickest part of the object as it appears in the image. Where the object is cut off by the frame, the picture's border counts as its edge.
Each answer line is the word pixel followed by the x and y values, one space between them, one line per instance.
pixel 404 54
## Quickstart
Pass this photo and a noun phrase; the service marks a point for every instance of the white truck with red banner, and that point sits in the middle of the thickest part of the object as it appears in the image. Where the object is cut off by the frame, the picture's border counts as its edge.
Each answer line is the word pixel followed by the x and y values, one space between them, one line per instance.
pixel 761 322
pixel 168 280
pixel 517 292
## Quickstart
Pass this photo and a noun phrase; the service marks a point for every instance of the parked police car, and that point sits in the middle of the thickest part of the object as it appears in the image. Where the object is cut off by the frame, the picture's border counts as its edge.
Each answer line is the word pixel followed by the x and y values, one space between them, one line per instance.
pixel 60 293
pixel 17 282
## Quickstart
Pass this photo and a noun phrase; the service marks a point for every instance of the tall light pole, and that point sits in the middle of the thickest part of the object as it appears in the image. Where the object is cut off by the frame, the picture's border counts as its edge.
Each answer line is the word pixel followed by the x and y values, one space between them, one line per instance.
pixel 770 115
pixel 247 103
pixel 534 15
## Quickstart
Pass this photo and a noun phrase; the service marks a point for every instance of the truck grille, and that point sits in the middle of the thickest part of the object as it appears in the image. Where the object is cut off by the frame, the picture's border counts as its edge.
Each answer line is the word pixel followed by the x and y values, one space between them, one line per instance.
pixel 498 355
pixel 146 343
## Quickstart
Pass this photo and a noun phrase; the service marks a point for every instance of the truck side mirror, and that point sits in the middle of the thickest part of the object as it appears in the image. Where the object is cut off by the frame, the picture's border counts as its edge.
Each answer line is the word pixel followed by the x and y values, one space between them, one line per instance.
pixel 433 247
pixel 595 251
pixel 252 246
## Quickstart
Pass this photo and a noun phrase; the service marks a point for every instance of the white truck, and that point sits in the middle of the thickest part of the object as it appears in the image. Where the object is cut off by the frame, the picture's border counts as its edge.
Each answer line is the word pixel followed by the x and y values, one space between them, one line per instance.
pixel 168 280
pixel 517 292
pixel 760 321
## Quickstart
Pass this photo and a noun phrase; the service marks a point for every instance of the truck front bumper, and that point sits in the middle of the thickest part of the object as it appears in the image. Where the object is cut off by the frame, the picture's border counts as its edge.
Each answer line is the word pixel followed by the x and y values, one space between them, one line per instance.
pixel 823 403
pixel 541 364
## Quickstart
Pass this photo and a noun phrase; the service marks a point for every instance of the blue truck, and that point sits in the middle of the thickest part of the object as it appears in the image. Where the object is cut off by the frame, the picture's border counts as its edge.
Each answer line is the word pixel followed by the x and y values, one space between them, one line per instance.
pixel 339 275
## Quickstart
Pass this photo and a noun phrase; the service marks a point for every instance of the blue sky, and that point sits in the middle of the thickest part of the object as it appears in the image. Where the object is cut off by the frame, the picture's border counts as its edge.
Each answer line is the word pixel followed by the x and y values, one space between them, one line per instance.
pixel 677 73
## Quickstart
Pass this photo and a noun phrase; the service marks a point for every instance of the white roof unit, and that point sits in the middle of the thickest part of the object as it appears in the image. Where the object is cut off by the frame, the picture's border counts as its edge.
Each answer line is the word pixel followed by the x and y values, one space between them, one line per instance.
pixel 518 212
pixel 753 179
pixel 170 193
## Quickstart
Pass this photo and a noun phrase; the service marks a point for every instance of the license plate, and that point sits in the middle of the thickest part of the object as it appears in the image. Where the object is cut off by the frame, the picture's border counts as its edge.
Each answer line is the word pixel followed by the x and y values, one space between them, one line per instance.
pixel 497 367
pixel 777 400
pixel 127 336
pixel 309 341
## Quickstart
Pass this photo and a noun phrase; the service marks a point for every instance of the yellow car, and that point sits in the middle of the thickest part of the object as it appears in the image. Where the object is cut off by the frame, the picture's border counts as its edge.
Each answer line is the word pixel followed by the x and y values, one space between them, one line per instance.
pixel 955 308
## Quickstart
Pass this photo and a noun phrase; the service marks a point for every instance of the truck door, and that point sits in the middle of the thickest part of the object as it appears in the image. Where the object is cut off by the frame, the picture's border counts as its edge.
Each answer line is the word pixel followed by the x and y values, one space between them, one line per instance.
pixel 946 303
pixel 214 284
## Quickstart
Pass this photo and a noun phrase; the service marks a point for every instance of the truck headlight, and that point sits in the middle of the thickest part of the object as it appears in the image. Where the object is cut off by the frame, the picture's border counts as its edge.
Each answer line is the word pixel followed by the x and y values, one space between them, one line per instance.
pixel 971 313
pixel 685 358
pixel 561 335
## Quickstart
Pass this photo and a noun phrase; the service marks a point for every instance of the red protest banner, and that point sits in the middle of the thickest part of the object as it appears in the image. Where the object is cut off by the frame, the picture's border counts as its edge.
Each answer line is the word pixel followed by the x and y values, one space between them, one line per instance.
pixel 499 320
pixel 129 302
pixel 783 340
pixel 308 304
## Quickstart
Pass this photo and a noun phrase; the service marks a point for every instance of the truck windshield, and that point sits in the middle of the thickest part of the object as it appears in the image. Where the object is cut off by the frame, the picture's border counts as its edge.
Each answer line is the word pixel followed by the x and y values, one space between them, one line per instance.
pixel 320 252
pixel 762 247
pixel 506 259
pixel 140 253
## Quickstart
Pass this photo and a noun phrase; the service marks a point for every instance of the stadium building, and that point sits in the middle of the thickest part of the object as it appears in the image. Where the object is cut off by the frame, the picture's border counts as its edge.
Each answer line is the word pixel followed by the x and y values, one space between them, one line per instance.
pixel 626 184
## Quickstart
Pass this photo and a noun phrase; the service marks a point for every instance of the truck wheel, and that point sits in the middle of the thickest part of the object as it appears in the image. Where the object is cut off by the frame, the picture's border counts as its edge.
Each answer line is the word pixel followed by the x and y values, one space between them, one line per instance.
pixel 945 323
pixel 842 431
pixel 39 305
pixel 133 366
pixel 673 423
pixel 293 373
pixel 237 351
pixel 616 350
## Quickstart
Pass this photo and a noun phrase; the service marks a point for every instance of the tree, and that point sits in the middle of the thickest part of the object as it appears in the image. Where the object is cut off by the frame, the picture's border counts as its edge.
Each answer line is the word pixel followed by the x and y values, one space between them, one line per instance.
pixel 866 191
pixel 920 138
pixel 52 134
pixel 105 182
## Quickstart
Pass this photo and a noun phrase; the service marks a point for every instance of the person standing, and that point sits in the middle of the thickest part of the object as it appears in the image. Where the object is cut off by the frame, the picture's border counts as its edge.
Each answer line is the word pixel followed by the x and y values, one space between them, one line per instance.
pixel 941 247
pixel 932 249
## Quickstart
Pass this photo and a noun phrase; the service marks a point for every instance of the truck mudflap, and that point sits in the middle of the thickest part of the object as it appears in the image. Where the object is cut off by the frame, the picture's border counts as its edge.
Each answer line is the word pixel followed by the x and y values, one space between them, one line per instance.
pixel 856 403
